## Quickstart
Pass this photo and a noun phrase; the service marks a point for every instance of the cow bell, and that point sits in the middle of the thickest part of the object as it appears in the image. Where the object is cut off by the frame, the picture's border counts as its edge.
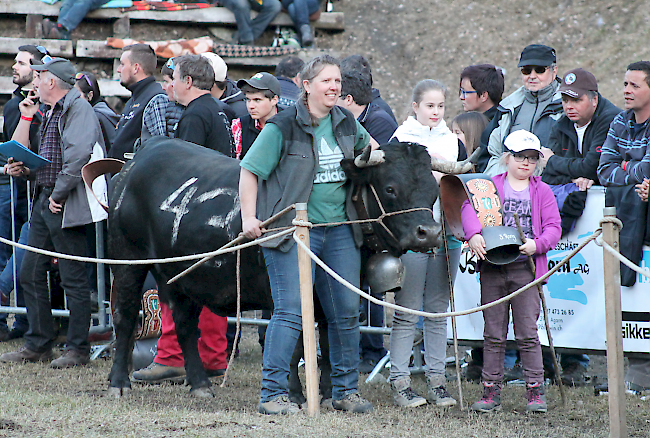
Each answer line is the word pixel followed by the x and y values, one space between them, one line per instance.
pixel 501 244
pixel 384 273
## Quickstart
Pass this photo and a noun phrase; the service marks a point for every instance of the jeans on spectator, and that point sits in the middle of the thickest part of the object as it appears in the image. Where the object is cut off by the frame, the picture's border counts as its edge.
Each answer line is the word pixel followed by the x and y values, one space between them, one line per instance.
pixel 300 10
pixel 335 246
pixel 46 232
pixel 72 12
pixel 7 282
pixel 426 287
pixel 247 29
pixel 497 282
pixel 20 215
pixel 372 344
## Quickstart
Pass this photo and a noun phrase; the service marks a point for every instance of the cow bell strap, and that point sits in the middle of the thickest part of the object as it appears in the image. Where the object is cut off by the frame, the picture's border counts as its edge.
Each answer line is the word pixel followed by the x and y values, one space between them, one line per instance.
pixel 360 201
pixel 484 197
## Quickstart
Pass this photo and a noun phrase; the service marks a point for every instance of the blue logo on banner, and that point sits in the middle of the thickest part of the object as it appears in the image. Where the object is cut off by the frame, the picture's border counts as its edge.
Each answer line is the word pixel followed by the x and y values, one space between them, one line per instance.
pixel 563 285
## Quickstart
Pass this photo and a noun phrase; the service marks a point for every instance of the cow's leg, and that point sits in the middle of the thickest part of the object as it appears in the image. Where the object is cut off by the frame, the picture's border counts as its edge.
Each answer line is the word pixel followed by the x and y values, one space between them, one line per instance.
pixel 128 282
pixel 186 320
pixel 295 385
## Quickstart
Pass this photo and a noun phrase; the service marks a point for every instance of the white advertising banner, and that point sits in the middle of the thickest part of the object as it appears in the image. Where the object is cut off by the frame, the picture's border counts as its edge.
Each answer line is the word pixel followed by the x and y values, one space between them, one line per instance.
pixel 574 295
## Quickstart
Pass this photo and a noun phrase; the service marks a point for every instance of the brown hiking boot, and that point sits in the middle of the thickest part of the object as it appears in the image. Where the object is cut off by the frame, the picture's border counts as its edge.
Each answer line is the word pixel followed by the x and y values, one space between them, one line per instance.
pixel 71 358
pixel 156 373
pixel 24 354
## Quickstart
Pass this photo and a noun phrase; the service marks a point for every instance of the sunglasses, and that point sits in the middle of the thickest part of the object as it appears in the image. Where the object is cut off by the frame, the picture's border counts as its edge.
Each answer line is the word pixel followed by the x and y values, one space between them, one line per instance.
pixel 464 93
pixel 79 76
pixel 520 158
pixel 170 64
pixel 538 69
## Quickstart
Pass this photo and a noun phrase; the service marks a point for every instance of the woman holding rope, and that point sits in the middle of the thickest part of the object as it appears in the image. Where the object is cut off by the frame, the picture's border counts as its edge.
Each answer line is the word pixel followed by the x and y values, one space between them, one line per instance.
pixel 297 158
pixel 426 276
pixel 534 202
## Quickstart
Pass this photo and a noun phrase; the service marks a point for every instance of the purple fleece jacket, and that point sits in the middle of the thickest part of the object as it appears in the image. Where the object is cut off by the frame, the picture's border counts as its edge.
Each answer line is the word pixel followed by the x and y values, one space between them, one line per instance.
pixel 545 218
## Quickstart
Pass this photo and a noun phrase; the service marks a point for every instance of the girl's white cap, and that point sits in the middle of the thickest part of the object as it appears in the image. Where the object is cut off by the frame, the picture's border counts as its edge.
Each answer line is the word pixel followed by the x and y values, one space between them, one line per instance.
pixel 522 140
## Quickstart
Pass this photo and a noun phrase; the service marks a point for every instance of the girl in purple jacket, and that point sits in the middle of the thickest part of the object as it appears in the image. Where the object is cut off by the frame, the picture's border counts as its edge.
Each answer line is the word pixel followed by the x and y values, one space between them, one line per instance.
pixel 535 204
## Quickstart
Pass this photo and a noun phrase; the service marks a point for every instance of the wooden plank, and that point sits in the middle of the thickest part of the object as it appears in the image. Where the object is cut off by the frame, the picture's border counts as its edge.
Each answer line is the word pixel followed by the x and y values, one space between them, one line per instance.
pixel 122 28
pixel 215 15
pixel 99 49
pixel 61 48
pixel 33 26
pixel 107 87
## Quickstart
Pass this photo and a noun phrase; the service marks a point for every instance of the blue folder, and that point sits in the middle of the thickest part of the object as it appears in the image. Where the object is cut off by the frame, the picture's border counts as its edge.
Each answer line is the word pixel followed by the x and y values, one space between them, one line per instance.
pixel 21 153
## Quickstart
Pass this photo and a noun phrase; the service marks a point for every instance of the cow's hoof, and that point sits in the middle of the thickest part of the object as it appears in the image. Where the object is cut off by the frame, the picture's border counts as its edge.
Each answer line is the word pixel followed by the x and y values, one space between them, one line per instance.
pixel 119 392
pixel 202 393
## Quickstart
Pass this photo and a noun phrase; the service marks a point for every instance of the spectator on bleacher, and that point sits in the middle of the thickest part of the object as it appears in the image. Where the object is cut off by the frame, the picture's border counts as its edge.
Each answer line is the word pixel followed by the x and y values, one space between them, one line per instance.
pixel 571 161
pixel 231 100
pixel 262 92
pixel 288 73
pixel 137 65
pixel 624 170
pixel 71 13
pixel 248 30
pixel 68 136
pixel 358 62
pixel 300 11
pixel 23 77
pixel 89 88
pixel 481 88
pixel 535 107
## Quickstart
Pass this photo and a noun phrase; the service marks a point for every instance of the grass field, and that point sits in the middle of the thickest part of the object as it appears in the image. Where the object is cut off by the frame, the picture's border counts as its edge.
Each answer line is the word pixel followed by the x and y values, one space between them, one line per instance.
pixel 37 401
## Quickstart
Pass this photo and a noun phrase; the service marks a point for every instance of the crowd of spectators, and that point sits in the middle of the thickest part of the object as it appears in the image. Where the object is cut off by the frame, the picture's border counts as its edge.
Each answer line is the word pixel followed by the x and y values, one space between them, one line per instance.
pixel 581 140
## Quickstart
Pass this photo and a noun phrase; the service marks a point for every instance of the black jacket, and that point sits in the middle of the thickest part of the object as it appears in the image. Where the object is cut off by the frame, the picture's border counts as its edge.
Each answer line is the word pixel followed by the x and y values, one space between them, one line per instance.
pixel 289 93
pixel 235 99
pixel 568 163
pixel 378 123
pixel 129 128
pixel 377 100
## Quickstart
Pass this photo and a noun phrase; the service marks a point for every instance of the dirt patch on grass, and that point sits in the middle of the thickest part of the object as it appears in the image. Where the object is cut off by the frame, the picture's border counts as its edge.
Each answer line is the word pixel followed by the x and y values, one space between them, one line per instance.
pixel 39 401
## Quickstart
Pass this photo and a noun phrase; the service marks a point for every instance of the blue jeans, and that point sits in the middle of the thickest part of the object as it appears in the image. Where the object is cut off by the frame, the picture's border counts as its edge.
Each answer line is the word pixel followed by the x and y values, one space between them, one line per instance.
pixel 335 246
pixel 20 215
pixel 72 12
pixel 300 10
pixel 247 29
pixel 7 282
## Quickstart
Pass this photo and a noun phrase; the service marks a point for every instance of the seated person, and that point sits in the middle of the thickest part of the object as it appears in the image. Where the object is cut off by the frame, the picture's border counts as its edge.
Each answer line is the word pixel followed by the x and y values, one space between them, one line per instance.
pixel 300 12
pixel 248 30
pixel 72 13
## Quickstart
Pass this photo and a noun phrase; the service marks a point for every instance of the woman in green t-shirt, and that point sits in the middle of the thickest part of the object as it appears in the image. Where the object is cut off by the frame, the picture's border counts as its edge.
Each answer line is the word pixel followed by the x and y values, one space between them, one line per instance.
pixel 296 158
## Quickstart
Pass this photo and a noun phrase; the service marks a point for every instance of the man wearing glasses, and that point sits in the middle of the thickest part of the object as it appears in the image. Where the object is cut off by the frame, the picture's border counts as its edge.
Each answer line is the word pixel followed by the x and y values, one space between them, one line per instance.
pixel 534 107
pixel 481 88
pixel 23 77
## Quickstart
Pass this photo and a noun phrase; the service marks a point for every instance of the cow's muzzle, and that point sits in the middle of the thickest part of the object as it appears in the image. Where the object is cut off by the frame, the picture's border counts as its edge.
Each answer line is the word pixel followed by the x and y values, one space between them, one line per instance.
pixel 422 238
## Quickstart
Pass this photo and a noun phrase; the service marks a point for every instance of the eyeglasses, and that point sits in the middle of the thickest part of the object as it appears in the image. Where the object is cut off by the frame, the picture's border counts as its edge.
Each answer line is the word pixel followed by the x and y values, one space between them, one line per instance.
pixel 464 93
pixel 170 64
pixel 538 69
pixel 80 75
pixel 520 158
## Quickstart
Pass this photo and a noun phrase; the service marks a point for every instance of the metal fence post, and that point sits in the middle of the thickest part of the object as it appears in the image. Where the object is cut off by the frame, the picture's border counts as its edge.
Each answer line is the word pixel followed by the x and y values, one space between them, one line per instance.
pixel 616 385
pixel 307 308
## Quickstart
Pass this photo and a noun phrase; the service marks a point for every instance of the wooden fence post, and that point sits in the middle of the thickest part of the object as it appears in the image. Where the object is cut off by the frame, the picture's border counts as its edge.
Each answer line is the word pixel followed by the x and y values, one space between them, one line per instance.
pixel 616 385
pixel 307 307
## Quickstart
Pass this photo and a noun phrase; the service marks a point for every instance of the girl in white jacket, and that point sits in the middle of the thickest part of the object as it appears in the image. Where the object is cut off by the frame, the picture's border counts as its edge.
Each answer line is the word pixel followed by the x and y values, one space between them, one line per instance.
pixel 426 284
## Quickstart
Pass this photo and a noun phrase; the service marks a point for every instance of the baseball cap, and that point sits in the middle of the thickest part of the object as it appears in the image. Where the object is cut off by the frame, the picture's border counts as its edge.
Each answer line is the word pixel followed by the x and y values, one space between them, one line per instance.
pixel 521 140
pixel 59 67
pixel 577 82
pixel 537 54
pixel 262 81
pixel 218 65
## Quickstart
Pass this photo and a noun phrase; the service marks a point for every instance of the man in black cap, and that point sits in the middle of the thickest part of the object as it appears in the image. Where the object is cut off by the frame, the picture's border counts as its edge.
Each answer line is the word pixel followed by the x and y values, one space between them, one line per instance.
pixel 23 77
pixel 262 93
pixel 534 107
pixel 68 135
pixel 571 161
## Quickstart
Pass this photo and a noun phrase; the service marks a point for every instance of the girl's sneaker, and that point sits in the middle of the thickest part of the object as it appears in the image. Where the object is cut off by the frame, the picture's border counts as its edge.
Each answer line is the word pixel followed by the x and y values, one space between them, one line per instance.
pixel 491 400
pixel 536 398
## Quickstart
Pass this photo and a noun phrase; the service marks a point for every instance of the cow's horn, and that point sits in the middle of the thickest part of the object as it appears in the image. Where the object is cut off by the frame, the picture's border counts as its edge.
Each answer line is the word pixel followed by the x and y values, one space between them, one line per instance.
pixel 455 167
pixel 369 157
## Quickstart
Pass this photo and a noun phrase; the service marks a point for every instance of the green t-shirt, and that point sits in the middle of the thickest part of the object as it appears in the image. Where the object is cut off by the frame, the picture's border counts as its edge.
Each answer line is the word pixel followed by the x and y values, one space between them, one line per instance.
pixel 327 199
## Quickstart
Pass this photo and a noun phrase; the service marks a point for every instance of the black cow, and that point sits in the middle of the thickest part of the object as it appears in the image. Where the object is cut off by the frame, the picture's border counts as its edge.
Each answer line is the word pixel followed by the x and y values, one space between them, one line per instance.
pixel 175 198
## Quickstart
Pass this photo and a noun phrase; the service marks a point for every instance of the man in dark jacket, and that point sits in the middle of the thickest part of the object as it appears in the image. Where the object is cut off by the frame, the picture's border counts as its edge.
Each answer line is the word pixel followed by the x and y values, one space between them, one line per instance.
pixel 225 91
pixel 23 77
pixel 571 160
pixel 137 66
pixel 288 73
pixel 358 62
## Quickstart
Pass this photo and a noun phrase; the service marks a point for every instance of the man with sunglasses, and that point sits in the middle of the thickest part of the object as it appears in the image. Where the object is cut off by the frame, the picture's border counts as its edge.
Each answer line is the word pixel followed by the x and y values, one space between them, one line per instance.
pixel 23 77
pixel 534 107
